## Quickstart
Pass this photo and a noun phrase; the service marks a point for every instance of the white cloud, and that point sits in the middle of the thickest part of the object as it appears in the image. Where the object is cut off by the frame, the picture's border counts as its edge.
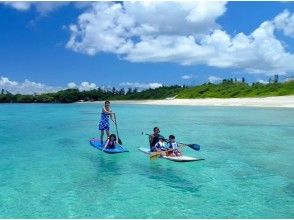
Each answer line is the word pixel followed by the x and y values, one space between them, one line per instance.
pixel 29 87
pixel 214 79
pixel 262 81
pixel 4 81
pixel 285 22
pixel 187 77
pixel 42 8
pixel 174 18
pixel 72 85
pixel 112 27
pixel 21 6
pixel 26 87
pixel 46 7
pixel 140 86
pixel 85 86
pixel 180 32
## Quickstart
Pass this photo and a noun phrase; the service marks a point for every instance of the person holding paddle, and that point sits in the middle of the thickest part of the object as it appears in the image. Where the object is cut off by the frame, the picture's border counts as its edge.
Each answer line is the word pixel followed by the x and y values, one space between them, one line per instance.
pixel 104 120
pixel 154 139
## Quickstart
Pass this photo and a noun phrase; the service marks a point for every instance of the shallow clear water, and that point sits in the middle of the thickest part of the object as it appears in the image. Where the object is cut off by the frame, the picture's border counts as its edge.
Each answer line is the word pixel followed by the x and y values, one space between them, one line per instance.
pixel 49 170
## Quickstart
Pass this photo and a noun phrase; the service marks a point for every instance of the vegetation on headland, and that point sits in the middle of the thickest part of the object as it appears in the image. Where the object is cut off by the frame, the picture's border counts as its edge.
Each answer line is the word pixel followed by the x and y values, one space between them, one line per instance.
pixel 227 89
pixel 231 89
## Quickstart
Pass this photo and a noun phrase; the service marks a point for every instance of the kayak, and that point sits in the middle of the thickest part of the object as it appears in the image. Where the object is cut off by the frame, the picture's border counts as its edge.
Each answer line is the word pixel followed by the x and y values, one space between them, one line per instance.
pixel 176 159
pixel 97 144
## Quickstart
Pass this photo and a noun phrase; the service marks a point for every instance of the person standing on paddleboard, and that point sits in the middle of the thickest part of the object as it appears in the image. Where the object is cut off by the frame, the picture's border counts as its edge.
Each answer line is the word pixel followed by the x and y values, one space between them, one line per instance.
pixel 104 121
pixel 154 139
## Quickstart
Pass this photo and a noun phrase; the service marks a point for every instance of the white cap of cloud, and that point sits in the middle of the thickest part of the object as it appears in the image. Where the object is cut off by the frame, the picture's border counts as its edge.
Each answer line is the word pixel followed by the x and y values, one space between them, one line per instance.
pixel 138 85
pixel 154 85
pixel 263 81
pixel 72 85
pixel 86 86
pixel 26 87
pixel 285 22
pixel 181 32
pixel 214 79
pixel 29 87
pixel 43 8
pixel 187 77
pixel 22 6
pixel 4 81
pixel 110 27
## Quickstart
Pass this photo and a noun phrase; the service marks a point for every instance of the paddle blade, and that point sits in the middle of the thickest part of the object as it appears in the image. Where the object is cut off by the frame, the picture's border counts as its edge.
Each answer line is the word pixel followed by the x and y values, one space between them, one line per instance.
pixel 119 141
pixel 194 146
pixel 154 155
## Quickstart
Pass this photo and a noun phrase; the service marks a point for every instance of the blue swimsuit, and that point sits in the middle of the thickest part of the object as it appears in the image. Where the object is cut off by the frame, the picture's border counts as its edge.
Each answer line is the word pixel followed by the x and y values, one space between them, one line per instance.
pixel 104 121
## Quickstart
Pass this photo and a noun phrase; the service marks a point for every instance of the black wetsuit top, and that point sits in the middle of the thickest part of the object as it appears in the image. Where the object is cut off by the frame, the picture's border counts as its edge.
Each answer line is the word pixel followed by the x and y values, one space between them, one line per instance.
pixel 154 141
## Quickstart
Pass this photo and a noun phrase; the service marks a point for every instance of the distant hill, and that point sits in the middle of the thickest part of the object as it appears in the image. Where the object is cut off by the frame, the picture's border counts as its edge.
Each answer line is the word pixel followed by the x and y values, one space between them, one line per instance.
pixel 226 89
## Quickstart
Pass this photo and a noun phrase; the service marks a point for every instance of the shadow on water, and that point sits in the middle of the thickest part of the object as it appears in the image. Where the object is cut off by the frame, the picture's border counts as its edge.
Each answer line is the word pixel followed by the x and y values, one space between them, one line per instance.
pixel 109 167
pixel 107 164
pixel 170 177
pixel 289 190
pixel 67 142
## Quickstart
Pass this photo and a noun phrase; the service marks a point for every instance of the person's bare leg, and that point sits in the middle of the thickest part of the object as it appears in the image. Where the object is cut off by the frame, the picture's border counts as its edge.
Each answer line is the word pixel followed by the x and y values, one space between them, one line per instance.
pixel 107 133
pixel 101 136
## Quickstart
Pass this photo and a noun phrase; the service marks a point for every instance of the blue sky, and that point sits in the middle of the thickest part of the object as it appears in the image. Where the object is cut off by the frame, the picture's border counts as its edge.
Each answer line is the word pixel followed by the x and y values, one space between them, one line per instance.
pixel 49 46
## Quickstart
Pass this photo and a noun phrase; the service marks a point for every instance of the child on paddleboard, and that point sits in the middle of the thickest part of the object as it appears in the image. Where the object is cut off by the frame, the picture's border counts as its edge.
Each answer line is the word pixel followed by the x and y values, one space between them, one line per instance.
pixel 154 138
pixel 111 142
pixel 173 147
pixel 104 121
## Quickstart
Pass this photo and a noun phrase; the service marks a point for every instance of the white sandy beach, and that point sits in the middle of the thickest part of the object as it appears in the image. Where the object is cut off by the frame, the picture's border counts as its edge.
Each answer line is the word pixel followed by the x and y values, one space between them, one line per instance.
pixel 277 101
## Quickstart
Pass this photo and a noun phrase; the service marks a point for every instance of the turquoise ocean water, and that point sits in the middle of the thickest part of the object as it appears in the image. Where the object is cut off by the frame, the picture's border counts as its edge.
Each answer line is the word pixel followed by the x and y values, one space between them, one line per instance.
pixel 49 170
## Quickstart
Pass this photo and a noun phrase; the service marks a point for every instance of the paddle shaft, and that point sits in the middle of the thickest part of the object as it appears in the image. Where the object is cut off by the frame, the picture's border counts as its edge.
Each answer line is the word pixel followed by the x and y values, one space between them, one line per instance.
pixel 119 140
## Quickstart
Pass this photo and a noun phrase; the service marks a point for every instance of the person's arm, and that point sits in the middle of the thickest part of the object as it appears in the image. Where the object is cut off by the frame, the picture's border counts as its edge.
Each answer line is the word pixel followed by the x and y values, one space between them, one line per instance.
pixel 151 137
pixel 106 144
pixel 108 112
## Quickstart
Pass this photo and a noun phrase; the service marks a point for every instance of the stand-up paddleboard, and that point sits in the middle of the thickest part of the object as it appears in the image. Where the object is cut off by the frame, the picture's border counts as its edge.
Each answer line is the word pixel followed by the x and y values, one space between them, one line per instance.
pixel 117 149
pixel 176 159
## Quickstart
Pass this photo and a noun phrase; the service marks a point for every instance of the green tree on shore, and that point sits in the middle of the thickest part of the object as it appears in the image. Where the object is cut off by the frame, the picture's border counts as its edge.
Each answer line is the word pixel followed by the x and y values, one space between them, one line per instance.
pixel 229 88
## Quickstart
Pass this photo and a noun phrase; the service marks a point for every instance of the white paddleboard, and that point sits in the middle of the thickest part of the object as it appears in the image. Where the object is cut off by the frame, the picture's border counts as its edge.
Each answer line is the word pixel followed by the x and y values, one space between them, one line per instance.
pixel 176 159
